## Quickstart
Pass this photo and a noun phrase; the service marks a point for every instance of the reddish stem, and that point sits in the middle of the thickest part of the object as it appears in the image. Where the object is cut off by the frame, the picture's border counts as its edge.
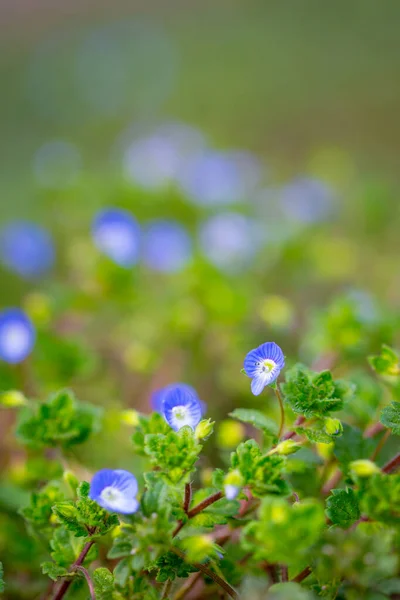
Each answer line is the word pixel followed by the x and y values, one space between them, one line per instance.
pixel 188 497
pixel 79 561
pixel 392 465
pixel 204 504
pixel 299 421
pixel 302 575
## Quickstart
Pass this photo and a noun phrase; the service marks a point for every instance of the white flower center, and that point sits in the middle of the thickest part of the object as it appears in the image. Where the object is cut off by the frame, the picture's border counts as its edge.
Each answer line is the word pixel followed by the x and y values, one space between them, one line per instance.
pixel 268 365
pixel 111 495
pixel 180 413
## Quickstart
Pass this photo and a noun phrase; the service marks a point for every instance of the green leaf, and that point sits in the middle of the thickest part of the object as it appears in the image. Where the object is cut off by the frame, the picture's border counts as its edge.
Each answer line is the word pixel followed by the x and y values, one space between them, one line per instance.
pixel 314 435
pixel 257 419
pixel 315 394
pixel 352 445
pixel 380 498
pixel 103 581
pixel 170 566
pixel 39 511
pixel 155 496
pixel 148 424
pixel 122 571
pixel 262 473
pixel 386 363
pixel 174 453
pixel 284 533
pixel 60 421
pixel 390 417
pixel 53 570
pixel 342 507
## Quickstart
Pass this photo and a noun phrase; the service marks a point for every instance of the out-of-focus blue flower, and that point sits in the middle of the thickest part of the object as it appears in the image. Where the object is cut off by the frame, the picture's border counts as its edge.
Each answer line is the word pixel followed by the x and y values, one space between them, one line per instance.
pixel 263 365
pixel 154 161
pixel 220 177
pixel 115 490
pixel 17 335
pixel 231 491
pixel 117 234
pixel 181 407
pixel 26 249
pixel 229 240
pixel 167 246
pixel 307 200
pixel 57 164
pixel 157 398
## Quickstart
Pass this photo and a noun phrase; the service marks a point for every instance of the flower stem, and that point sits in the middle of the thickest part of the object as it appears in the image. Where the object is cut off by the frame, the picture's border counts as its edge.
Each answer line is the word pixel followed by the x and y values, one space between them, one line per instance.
pixel 166 589
pixel 89 581
pixel 278 395
pixel 302 575
pixel 188 497
pixel 380 444
pixel 392 465
pixel 204 504
pixel 218 580
pixel 79 561
pixel 190 583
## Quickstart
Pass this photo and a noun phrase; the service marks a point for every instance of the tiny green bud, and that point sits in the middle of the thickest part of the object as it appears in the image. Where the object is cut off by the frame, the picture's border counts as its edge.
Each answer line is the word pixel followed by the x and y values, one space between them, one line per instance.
pixel 64 510
pixel 13 399
pixel 230 433
pixel 333 426
pixel 204 429
pixel 364 468
pixel 130 417
pixel 286 447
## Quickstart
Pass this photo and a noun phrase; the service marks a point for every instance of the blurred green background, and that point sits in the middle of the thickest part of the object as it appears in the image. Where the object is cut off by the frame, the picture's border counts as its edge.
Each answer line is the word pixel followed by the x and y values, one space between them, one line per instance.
pixel 302 92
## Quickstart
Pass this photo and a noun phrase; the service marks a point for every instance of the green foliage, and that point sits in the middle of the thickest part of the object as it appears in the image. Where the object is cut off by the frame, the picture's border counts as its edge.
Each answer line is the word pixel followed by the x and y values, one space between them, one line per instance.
pixel 344 555
pixel 60 421
pixel 342 507
pixel 387 363
pixel 284 591
pixel 390 417
pixel 257 419
pixel 284 533
pixel 84 517
pixel 352 445
pixel 261 472
pixel 380 498
pixel 170 566
pixel 103 581
pixel 148 424
pixel 315 394
pixel 173 453
pixel 39 512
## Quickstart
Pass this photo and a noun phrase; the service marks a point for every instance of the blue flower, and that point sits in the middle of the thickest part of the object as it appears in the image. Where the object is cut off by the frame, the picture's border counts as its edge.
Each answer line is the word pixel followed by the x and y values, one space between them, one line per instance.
pixel 167 246
pixel 263 365
pixel 17 335
pixel 117 234
pixel 27 249
pixel 115 491
pixel 181 407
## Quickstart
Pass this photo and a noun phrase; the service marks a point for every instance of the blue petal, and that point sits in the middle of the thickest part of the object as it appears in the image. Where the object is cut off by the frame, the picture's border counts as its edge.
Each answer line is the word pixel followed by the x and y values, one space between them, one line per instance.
pixel 123 483
pixel 27 249
pixel 258 384
pixel 117 234
pixel 157 398
pixel 180 397
pixel 269 350
pixel 17 335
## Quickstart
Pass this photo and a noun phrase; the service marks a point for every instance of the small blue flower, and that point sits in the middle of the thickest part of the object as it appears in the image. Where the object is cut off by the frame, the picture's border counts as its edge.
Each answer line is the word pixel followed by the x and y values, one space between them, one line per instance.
pixel 181 407
pixel 231 491
pixel 27 249
pixel 115 491
pixel 167 246
pixel 117 234
pixel 263 365
pixel 17 335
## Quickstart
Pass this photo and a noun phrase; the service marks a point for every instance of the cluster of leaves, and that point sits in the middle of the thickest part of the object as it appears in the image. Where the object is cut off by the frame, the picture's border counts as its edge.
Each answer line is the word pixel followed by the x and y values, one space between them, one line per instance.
pixel 345 543
pixel 61 421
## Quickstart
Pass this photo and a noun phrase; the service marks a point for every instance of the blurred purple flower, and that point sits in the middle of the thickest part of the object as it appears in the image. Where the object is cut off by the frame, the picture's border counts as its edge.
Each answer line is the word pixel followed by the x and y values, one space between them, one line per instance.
pixel 26 249
pixel 229 240
pixel 117 234
pixel 307 200
pixel 167 246
pixel 17 335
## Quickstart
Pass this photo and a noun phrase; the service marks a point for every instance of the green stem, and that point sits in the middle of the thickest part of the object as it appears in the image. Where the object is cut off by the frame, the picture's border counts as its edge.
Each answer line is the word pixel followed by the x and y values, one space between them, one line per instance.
pixel 86 575
pixel 278 395
pixel 218 580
